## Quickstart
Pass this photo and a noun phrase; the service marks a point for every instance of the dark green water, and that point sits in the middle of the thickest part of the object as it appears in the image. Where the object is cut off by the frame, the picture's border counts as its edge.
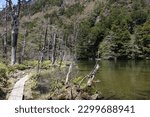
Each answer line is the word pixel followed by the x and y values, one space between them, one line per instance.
pixel 121 79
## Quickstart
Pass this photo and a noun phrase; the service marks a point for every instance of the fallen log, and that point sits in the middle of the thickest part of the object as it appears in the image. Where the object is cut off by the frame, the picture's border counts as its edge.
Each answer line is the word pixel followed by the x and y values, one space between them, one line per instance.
pixel 91 75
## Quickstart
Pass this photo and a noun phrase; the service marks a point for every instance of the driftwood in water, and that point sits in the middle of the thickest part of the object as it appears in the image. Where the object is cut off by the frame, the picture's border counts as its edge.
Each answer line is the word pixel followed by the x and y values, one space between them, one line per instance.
pixel 91 75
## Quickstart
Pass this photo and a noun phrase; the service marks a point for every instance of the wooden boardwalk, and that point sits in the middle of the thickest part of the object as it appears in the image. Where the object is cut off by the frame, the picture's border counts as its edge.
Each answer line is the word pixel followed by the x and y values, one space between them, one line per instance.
pixel 17 92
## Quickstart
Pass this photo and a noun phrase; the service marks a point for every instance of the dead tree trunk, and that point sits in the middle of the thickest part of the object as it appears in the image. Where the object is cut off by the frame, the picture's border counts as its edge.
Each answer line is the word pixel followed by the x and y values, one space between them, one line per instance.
pixel 14 46
pixel 45 37
pixel 41 57
pixel 61 58
pixel 15 12
pixel 24 45
pixel 5 45
pixel 5 34
pixel 75 36
pixel 91 75
pixel 48 49
pixel 41 53
pixel 54 49
pixel 68 74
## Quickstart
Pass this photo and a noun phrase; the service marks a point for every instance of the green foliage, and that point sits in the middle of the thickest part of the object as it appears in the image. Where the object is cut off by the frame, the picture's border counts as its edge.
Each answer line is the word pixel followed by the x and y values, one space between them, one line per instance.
pixel 143 39
pixel 33 81
pixel 46 64
pixel 3 70
pixel 37 6
pixel 20 67
pixel 77 80
pixel 83 39
pixel 73 10
pixel 55 2
pixel 30 63
pixel 109 28
pixel 40 4
pixel 30 25
pixel 54 18
pixel 139 17
pixel 45 83
pixel 118 42
pixel 3 80
pixel 11 69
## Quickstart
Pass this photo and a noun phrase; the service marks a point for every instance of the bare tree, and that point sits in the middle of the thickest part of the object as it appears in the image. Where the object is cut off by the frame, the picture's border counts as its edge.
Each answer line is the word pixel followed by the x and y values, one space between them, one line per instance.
pixel 44 49
pixel 14 12
pixel 54 48
pixel 4 37
pixel 24 45
pixel 69 72
pixel 91 75
pixel 75 36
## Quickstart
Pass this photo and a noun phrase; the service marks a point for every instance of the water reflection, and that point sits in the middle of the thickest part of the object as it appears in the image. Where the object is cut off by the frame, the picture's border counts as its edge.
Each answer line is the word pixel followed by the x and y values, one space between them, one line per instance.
pixel 121 79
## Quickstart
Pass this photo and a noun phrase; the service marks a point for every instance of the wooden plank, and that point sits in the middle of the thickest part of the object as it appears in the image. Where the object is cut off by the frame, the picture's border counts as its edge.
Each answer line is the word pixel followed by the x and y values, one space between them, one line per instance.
pixel 17 92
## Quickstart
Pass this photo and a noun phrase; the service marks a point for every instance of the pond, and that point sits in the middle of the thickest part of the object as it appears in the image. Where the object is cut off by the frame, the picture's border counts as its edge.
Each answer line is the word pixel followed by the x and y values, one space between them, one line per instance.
pixel 122 80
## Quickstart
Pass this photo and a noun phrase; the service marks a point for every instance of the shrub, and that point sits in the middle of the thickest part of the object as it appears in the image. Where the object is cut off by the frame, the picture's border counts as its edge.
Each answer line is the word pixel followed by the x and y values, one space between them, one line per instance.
pixel 3 70
pixel 30 25
pixel 46 64
pixel 31 63
pixel 3 80
pixel 55 2
pixel 74 9
pixel 20 67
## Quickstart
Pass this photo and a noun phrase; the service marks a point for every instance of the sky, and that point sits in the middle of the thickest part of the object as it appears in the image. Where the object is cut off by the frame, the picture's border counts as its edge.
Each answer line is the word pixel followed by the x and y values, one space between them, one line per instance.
pixel 2 3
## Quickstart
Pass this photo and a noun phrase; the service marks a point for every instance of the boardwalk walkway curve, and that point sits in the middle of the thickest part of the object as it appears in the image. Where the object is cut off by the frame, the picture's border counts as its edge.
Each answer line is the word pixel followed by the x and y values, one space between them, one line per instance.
pixel 18 89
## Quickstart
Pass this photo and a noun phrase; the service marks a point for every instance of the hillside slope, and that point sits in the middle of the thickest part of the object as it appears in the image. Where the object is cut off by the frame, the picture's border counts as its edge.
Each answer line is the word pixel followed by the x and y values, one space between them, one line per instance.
pixel 111 29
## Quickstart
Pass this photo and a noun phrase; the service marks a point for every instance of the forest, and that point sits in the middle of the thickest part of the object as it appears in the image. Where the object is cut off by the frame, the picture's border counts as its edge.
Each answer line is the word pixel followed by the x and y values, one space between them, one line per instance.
pixel 43 42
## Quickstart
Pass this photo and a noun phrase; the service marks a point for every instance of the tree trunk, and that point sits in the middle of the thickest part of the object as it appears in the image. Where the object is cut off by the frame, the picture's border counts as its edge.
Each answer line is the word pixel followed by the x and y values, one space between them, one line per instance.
pixel 41 57
pixel 14 12
pixel 13 55
pixel 68 74
pixel 23 46
pixel 5 34
pixel 4 43
pixel 61 58
pixel 48 50
pixel 14 38
pixel 92 75
pixel 54 49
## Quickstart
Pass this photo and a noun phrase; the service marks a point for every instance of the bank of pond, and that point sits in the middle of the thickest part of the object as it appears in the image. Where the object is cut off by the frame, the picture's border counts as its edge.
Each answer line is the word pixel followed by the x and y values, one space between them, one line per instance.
pixel 113 80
